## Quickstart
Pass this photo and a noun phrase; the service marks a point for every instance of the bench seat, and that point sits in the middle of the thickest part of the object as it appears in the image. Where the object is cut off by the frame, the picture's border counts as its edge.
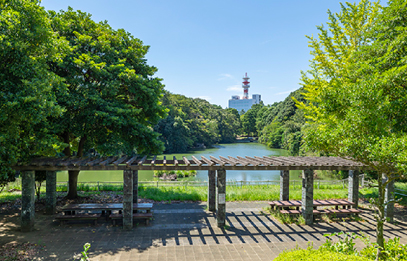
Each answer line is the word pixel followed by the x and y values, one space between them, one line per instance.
pixel 62 218
pixel 323 211
pixel 146 216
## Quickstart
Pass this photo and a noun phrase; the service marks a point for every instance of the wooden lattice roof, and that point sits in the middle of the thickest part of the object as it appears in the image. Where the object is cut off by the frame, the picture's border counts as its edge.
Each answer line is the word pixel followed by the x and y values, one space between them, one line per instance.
pixel 205 163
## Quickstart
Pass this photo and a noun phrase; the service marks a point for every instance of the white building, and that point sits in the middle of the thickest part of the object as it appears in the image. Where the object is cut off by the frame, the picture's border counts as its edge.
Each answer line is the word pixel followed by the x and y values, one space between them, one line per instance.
pixel 245 103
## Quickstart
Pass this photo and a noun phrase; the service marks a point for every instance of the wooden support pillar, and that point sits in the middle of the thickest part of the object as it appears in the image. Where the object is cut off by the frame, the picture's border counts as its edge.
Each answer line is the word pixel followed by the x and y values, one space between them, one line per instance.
pixel 353 187
pixel 221 198
pixel 135 186
pixel 27 200
pixel 127 199
pixel 51 192
pixel 212 190
pixel 284 185
pixel 389 195
pixel 308 196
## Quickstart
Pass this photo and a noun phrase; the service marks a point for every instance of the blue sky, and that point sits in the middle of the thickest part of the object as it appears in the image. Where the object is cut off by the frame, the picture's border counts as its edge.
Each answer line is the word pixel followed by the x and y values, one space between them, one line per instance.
pixel 204 48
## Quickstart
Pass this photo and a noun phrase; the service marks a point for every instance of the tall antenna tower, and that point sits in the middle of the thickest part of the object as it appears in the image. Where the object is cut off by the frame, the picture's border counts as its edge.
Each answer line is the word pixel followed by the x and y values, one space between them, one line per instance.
pixel 246 86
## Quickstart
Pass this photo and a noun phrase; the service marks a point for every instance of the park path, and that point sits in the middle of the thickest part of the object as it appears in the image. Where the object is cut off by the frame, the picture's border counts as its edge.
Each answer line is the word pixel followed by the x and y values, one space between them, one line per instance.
pixel 185 231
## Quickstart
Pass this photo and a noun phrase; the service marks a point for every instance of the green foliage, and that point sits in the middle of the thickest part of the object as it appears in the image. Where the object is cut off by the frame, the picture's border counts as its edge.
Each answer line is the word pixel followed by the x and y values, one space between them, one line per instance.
pixel 180 173
pixel 173 193
pixel 280 125
pixel 272 135
pixel 357 93
pixel 394 250
pixel 249 120
pixel 195 122
pixel 111 98
pixel 317 255
pixel 345 245
pixel 85 252
pixel 27 45
pixel 344 248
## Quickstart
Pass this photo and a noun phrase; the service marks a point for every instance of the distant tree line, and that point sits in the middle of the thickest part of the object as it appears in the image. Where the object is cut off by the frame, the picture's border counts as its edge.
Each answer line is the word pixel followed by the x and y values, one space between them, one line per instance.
pixel 195 123
pixel 278 125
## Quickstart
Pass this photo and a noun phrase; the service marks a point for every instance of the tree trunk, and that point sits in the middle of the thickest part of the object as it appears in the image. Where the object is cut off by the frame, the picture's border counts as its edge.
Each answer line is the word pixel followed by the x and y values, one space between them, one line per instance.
pixel 73 184
pixel 380 218
pixel 73 174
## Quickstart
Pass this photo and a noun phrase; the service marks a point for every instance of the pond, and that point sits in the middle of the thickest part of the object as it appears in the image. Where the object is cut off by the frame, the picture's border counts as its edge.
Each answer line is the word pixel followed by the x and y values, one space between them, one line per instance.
pixel 232 149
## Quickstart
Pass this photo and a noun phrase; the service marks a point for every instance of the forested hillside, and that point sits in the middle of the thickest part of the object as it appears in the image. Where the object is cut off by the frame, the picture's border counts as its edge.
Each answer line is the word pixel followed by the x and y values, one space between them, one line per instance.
pixel 195 123
pixel 278 125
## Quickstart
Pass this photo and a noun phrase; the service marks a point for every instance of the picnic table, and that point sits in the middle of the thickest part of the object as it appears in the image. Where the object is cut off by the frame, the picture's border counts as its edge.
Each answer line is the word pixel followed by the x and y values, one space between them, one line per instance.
pixel 87 211
pixel 286 207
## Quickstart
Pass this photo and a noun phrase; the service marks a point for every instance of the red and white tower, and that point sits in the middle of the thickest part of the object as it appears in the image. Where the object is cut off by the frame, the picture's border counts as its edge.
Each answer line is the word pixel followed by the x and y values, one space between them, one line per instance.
pixel 246 86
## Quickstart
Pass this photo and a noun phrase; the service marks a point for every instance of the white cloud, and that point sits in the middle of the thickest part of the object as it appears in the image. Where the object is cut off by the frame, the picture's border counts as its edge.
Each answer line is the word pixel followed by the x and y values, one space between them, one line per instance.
pixel 225 76
pixel 208 98
pixel 280 93
pixel 234 88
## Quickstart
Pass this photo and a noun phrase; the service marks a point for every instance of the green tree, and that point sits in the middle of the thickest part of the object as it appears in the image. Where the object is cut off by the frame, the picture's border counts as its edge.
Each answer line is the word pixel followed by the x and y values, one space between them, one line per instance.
pixel 249 122
pixel 280 125
pixel 27 44
pixel 272 135
pixel 192 122
pixel 358 94
pixel 248 119
pixel 111 99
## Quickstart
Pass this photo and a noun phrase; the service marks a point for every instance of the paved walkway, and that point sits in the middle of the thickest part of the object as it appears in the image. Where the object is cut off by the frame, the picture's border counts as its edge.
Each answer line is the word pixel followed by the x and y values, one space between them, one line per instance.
pixel 184 232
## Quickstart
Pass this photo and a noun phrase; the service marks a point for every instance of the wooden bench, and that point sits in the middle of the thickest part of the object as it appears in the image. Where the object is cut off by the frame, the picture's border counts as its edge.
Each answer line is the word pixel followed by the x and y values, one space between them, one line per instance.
pixel 63 218
pixel 146 216
pixel 288 205
pixel 323 211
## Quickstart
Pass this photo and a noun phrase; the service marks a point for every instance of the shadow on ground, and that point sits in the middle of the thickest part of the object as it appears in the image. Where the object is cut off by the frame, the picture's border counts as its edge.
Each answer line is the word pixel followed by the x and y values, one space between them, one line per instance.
pixel 177 227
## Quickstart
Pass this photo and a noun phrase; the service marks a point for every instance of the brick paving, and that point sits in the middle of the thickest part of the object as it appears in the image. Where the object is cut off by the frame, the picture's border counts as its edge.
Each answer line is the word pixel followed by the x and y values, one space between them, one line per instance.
pixel 184 232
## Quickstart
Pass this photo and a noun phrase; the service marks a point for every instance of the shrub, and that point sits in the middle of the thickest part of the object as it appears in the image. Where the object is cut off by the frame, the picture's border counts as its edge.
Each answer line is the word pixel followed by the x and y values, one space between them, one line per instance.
pixel 394 250
pixel 317 255
pixel 345 245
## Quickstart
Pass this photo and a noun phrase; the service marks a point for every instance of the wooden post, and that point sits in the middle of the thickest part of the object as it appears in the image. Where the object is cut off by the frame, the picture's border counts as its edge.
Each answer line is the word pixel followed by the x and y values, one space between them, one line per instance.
pixel 27 200
pixel 51 192
pixel 212 190
pixel 308 196
pixel 127 199
pixel 389 195
pixel 353 187
pixel 221 196
pixel 135 186
pixel 284 185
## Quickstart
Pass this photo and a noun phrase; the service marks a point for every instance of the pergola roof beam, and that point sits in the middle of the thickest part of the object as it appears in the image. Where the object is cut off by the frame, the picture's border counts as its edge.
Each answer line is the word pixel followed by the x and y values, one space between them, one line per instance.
pixel 199 163
pixel 210 163
pixel 186 161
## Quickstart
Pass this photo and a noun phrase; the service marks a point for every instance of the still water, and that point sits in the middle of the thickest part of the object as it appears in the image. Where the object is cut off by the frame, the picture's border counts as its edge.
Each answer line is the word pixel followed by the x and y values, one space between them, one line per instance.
pixel 234 149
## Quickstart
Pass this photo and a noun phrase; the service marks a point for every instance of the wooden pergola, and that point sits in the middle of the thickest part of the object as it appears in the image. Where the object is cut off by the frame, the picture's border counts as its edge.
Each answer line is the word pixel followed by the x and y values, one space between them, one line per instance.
pixel 216 167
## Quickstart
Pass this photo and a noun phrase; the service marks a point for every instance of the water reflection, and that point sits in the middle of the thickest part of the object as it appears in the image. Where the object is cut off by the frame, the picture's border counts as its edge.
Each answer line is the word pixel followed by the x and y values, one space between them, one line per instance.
pixel 235 149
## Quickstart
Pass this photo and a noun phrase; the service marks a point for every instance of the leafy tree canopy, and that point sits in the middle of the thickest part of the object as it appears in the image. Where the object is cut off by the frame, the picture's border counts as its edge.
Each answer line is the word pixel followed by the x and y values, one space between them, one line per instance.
pixel 193 122
pixel 111 98
pixel 27 44
pixel 358 93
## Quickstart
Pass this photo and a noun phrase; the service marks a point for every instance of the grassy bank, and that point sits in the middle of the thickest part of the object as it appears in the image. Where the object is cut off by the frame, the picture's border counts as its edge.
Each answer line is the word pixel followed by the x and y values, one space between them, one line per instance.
pixel 190 193
pixel 199 193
